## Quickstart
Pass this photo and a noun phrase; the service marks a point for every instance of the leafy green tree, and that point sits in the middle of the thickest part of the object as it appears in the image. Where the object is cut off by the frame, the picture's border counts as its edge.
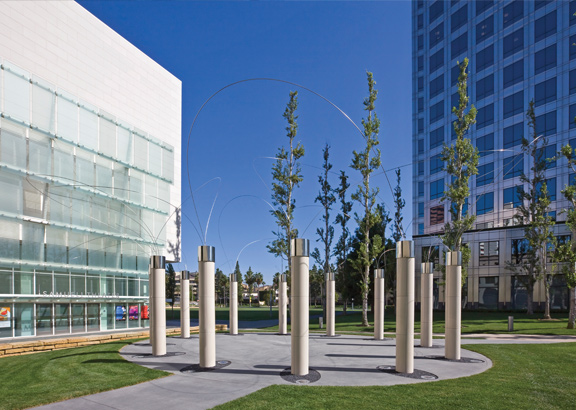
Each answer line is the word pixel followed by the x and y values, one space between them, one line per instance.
pixel 259 280
pixel 222 285
pixel 170 281
pixel 534 215
pixel 325 234
pixel 460 163
pixel 316 282
pixel 287 175
pixel 366 162
pixel 250 280
pixel 566 252
pixel 399 204
pixel 239 281
pixel 343 244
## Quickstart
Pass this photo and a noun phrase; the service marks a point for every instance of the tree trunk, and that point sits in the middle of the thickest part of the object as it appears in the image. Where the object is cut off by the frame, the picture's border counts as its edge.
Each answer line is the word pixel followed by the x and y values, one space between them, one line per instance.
pixel 529 304
pixel 547 300
pixel 572 317
pixel 365 290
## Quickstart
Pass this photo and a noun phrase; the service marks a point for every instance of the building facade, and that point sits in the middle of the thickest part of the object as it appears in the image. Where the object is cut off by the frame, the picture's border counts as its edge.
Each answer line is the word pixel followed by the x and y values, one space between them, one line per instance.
pixel 518 51
pixel 89 172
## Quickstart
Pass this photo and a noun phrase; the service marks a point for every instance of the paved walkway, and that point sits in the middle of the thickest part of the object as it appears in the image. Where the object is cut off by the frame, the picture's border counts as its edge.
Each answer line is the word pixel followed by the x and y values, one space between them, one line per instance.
pixel 255 360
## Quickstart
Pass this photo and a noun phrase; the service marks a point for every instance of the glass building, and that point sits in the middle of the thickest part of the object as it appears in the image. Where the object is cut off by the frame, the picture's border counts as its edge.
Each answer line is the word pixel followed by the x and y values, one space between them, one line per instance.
pixel 518 51
pixel 87 197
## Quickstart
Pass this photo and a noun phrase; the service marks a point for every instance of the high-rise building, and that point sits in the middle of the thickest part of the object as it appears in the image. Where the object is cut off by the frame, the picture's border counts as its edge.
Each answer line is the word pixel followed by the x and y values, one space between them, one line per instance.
pixel 518 51
pixel 89 172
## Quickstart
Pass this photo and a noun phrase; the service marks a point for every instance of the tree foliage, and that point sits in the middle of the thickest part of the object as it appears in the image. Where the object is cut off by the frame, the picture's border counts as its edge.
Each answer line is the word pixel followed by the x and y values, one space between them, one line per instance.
pixel 366 162
pixel 399 204
pixel 170 281
pixel 287 175
pixel 239 279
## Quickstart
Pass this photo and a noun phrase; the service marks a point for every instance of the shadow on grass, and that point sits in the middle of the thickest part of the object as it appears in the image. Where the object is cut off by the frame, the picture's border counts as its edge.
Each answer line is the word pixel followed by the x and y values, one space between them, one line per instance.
pixel 83 354
pixel 115 361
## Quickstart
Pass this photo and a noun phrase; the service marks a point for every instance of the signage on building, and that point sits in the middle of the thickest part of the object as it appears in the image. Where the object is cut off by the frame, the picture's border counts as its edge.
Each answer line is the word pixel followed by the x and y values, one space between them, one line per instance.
pixel 79 294
pixel 4 317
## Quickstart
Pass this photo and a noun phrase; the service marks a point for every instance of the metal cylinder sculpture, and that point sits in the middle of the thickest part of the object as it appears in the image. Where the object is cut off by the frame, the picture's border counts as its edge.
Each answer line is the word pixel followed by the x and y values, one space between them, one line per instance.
pixel 453 304
pixel 158 302
pixel 300 255
pixel 151 302
pixel 379 299
pixel 405 307
pixel 233 304
pixel 206 259
pixel 426 300
pixel 185 304
pixel 330 304
pixel 282 305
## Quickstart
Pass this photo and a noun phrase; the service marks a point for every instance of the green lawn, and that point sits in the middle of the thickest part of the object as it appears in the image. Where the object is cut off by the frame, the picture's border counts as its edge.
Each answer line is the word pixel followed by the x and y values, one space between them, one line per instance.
pixel 244 313
pixel 41 378
pixel 523 377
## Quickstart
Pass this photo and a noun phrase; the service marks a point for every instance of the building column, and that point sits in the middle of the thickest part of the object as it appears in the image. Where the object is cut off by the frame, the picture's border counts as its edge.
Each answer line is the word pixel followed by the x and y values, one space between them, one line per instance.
pixel 453 304
pixel 282 305
pixel 426 304
pixel 379 302
pixel 405 307
pixel 330 304
pixel 233 304
pixel 185 304
pixel 206 259
pixel 158 305
pixel 299 253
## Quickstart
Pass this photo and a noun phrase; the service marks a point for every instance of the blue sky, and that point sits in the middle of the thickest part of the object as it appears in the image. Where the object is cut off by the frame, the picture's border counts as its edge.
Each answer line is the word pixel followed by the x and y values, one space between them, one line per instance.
pixel 324 46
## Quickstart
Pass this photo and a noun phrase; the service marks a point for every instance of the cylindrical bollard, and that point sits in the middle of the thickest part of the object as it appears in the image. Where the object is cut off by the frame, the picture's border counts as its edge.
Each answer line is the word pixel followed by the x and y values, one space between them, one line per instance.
pixel 453 304
pixel 158 298
pixel 282 305
pixel 151 302
pixel 379 300
pixel 233 304
pixel 426 304
pixel 330 304
pixel 510 323
pixel 405 307
pixel 299 253
pixel 185 304
pixel 206 259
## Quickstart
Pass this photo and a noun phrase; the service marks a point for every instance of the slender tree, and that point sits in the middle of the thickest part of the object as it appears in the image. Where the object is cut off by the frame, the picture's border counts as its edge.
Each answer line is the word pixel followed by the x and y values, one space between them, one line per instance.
pixel 399 204
pixel 566 252
pixel 343 244
pixel 325 234
pixel 460 163
pixel 222 284
pixel 366 162
pixel 170 281
pixel 238 273
pixel 287 175
pixel 250 280
pixel 259 281
pixel 533 214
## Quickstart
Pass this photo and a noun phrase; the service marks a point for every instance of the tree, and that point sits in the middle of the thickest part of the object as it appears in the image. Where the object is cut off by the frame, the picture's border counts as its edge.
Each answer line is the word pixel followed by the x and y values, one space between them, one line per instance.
pixel 250 280
pixel 566 253
pixel 366 162
pixel 343 244
pixel 399 204
pixel 316 281
pixel 259 280
pixel 170 281
pixel 287 175
pixel 239 281
pixel 222 285
pixel 325 234
pixel 533 214
pixel 460 163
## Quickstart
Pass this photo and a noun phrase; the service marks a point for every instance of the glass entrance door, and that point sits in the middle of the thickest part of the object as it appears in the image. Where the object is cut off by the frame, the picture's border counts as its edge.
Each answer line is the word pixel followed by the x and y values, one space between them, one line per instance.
pixel 62 318
pixel 93 317
pixel 43 319
pixel 78 318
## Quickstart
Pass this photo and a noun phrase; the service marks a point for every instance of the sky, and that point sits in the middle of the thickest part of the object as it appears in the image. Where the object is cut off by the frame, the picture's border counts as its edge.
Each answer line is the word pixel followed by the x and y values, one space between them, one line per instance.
pixel 227 156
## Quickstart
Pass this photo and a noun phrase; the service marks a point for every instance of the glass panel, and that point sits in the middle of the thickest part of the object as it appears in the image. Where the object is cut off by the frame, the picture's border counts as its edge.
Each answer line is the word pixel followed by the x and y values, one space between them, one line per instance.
pixel 33 242
pixel 132 287
pixel 6 281
pixel 39 154
pixel 151 192
pixel 120 316
pixel 78 318
pixel 63 161
pixel 124 147
pixel 488 292
pixel 10 203
pixel 93 317
pixel 43 283
pixel 168 164
pixel 61 283
pixel 99 213
pixel 145 316
pixel 34 194
pixel 104 178
pixel 140 152
pixel 84 168
pixel 112 246
pixel 96 254
pixel 43 108
pixel 129 252
pixel 121 182
pixel 23 316
pixel 23 283
pixel 12 146
pixel 107 285
pixel 88 129
pixel 62 318
pixel 43 319
pixel 78 284
pixel 16 96
pixel 121 287
pixel 155 159
pixel 67 119
pixel 136 186
pixel 107 316
pixel 56 249
pixel 77 248
pixel 93 285
pixel 133 316
pixel 107 143
pixel 164 196
pixel 80 209
pixel 6 319
pixel 9 239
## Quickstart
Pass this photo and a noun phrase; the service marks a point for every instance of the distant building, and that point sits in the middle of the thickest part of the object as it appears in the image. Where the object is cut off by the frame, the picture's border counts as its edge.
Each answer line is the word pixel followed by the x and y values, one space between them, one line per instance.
pixel 89 172
pixel 518 51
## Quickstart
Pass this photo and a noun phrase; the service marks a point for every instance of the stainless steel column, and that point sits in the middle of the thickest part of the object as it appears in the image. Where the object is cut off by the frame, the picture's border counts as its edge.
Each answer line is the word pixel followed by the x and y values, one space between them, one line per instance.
pixel 379 299
pixel 300 252
pixel 233 304
pixel 453 304
pixel 405 307
pixel 158 301
pixel 206 259
pixel 426 300
pixel 185 304
pixel 330 304
pixel 282 305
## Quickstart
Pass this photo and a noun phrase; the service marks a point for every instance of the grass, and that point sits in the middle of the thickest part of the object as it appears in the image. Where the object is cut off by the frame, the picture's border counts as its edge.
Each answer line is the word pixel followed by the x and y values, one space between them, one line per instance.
pixel 41 378
pixel 523 377
pixel 244 313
